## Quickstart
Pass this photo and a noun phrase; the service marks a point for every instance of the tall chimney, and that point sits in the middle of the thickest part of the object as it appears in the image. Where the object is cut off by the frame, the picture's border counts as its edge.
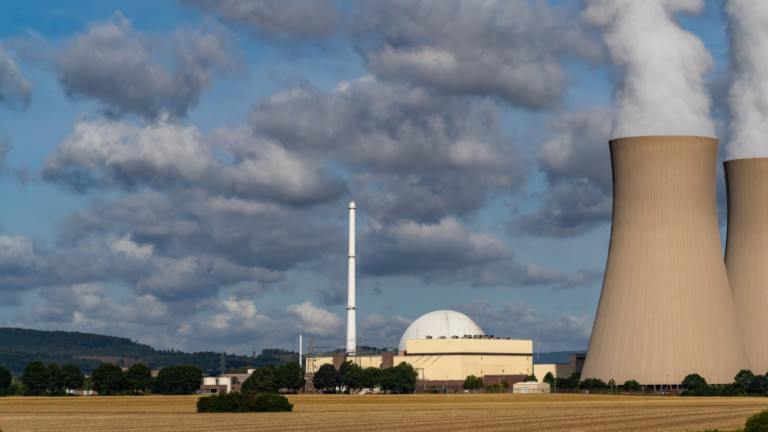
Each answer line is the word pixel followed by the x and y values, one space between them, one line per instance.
pixel 665 309
pixel 746 253
pixel 301 348
pixel 351 329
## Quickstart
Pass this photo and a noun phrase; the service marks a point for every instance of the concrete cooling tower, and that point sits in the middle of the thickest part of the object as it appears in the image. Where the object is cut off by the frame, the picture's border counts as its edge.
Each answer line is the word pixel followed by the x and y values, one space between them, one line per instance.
pixel 665 309
pixel 746 253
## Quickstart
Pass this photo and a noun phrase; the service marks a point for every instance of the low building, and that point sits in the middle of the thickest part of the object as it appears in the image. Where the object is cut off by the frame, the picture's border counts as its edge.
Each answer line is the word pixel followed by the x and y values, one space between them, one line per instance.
pixel 561 370
pixel 225 383
pixel 530 387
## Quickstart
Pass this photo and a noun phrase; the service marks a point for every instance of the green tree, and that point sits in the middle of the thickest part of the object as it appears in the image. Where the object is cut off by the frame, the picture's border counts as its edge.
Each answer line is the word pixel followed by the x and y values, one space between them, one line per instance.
pixel 351 375
pixel 473 383
pixel 400 379
pixel 758 385
pixel 108 379
pixel 73 377
pixel 371 377
pixel 35 379
pixel 5 381
pixel 549 379
pixel 262 380
pixel 178 380
pixel 57 378
pixel 695 384
pixel 530 377
pixel 593 384
pixel 326 378
pixel 138 378
pixel 290 376
pixel 757 423
pixel 632 386
pixel 742 379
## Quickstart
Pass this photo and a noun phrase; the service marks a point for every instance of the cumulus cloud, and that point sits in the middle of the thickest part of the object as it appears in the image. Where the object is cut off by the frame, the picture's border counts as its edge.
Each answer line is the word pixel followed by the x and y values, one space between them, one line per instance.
pixel 748 31
pixel 576 161
pixel 301 19
pixel 14 88
pixel 411 153
pixel 316 320
pixel 512 49
pixel 519 319
pixel 129 72
pixel 105 153
pixel 660 67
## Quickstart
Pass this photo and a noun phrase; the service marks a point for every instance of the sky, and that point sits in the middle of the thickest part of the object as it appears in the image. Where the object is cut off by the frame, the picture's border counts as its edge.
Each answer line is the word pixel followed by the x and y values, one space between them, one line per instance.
pixel 179 172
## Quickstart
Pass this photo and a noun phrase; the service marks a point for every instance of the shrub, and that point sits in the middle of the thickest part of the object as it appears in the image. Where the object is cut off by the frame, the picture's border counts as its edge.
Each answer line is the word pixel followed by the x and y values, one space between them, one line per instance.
pixel 632 386
pixel 757 423
pixel 593 384
pixel 531 378
pixel 244 402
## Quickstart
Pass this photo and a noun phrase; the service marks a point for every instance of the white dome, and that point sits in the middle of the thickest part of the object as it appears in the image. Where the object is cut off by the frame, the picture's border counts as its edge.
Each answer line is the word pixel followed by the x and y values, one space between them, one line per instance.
pixel 444 323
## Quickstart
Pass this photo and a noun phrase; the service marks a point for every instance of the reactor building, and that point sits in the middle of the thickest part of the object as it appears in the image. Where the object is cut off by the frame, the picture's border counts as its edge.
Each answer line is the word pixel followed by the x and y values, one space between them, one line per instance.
pixel 666 308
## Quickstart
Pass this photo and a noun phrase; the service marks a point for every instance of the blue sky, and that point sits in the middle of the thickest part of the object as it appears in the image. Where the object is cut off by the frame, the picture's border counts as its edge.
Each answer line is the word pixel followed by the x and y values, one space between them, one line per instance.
pixel 178 172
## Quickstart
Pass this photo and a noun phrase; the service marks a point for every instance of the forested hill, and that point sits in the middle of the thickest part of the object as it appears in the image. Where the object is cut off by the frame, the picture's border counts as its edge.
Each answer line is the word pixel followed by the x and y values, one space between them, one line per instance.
pixel 87 350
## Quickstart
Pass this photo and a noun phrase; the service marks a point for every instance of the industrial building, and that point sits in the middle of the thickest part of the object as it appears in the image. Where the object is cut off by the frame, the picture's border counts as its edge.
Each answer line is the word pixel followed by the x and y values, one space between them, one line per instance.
pixel 746 253
pixel 445 347
pixel 666 308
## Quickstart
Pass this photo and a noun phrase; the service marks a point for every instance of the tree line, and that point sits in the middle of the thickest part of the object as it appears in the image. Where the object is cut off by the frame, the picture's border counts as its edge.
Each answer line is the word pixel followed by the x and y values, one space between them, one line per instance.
pixel 37 379
pixel 399 379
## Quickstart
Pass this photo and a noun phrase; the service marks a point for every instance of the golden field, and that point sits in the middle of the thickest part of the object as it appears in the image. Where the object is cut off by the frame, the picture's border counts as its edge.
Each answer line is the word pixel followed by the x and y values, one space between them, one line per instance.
pixel 493 412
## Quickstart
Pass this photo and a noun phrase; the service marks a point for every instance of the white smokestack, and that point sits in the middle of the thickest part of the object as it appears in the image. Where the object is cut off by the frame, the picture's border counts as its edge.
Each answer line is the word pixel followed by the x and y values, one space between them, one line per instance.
pixel 748 31
pixel 351 329
pixel 301 346
pixel 658 65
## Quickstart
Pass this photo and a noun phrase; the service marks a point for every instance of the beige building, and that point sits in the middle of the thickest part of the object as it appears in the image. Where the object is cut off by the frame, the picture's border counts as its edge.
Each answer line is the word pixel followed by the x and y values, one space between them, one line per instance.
pixel 575 365
pixel 666 308
pixel 448 346
pixel 530 388
pixel 746 253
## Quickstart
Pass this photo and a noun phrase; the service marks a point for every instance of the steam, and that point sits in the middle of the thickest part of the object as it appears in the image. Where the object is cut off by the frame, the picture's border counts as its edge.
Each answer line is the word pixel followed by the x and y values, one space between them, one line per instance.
pixel 658 65
pixel 748 96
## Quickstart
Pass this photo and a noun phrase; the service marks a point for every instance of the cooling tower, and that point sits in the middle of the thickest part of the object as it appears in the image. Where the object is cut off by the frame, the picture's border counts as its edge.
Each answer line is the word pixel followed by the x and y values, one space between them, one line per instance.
pixel 746 253
pixel 665 309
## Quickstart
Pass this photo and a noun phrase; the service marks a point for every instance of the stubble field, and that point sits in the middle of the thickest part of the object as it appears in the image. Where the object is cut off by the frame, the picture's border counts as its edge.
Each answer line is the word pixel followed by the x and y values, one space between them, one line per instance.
pixel 497 412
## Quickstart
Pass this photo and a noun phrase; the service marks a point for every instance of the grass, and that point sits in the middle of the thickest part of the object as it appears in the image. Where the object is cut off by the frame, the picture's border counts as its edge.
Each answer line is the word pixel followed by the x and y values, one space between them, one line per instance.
pixel 492 412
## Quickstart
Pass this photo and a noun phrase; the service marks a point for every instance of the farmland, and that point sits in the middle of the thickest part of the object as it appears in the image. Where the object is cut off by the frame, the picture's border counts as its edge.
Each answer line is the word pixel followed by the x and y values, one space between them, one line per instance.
pixel 498 412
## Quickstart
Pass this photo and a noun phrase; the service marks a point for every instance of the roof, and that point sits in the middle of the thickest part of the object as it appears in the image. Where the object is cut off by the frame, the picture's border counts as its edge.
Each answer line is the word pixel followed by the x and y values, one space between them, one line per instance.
pixel 440 323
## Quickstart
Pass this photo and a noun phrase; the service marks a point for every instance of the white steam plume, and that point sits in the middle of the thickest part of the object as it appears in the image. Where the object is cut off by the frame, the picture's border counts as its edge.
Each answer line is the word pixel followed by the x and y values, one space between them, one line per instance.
pixel 660 67
pixel 748 96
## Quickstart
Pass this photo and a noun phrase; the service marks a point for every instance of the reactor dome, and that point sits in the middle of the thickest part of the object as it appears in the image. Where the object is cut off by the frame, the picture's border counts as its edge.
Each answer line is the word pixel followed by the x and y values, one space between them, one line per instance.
pixel 442 323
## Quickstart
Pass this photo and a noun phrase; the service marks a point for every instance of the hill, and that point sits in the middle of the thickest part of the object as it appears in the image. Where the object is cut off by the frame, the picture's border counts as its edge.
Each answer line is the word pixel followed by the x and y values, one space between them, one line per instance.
pixel 18 347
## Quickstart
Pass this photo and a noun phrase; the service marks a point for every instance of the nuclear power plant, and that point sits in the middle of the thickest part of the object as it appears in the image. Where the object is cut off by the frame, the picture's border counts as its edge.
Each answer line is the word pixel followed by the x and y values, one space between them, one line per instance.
pixel 666 308
pixel 746 253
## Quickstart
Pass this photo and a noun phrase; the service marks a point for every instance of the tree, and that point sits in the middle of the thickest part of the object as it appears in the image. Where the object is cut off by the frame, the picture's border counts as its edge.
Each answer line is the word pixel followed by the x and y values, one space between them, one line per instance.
pixel 371 377
pixel 632 386
pixel 549 379
pixel 108 379
pixel 35 379
pixel 758 385
pixel 178 380
pixel 400 379
pixel 73 378
pixel 350 375
pixel 5 381
pixel 695 384
pixel 138 378
pixel 261 380
pixel 326 378
pixel 473 383
pixel 742 380
pixel 57 378
pixel 290 376
pixel 593 384
pixel 530 377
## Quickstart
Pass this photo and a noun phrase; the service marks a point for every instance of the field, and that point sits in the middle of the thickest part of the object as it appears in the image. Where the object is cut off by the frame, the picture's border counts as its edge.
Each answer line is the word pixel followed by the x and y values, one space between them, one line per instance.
pixel 498 412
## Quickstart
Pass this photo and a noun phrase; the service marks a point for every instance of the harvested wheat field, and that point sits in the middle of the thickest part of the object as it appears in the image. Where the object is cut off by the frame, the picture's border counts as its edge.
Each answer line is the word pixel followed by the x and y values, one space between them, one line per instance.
pixel 499 412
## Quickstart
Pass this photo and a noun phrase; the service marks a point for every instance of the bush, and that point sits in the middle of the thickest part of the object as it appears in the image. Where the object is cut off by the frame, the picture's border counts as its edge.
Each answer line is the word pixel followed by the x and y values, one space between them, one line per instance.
pixel 632 386
pixel 530 378
pixel 593 384
pixel 244 402
pixel 757 423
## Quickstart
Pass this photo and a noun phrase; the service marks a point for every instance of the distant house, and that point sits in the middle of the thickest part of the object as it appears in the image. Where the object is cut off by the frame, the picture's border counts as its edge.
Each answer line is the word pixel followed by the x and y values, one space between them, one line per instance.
pixel 225 383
